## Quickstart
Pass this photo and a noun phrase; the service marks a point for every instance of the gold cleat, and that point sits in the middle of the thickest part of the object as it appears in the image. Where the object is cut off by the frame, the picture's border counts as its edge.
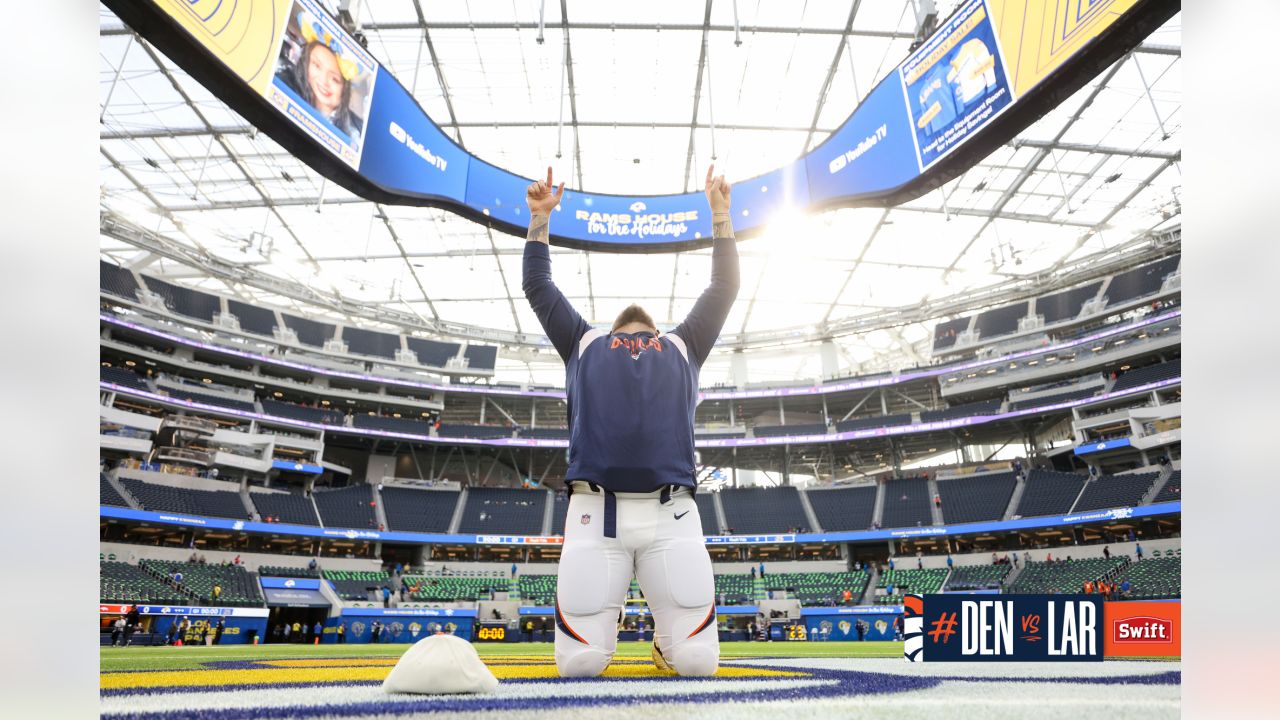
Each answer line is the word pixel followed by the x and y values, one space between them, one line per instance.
pixel 659 661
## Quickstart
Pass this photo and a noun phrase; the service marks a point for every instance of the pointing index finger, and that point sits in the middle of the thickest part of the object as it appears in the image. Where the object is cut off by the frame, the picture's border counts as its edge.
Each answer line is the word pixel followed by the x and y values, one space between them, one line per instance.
pixel 709 171
pixel 549 183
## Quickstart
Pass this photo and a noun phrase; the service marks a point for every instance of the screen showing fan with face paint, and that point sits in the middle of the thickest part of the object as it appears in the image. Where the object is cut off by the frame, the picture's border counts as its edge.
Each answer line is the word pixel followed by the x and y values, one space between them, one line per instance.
pixel 323 81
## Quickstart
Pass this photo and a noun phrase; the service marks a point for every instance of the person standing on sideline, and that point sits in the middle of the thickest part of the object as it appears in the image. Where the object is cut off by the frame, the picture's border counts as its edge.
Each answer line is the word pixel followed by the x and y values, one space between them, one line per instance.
pixel 318 631
pixel 117 629
pixel 171 632
pixel 342 633
pixel 217 631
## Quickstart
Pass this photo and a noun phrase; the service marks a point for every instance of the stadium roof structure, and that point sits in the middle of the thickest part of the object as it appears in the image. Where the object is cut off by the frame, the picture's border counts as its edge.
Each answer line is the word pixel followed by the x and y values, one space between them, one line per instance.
pixel 649 94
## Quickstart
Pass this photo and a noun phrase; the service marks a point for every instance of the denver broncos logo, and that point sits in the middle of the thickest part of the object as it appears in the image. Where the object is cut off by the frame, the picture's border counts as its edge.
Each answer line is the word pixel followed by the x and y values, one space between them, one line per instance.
pixel 635 346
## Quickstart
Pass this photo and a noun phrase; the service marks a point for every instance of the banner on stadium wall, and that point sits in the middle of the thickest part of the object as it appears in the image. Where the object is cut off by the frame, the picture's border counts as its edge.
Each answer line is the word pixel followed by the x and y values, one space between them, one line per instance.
pixel 1037 628
pixel 844 626
pixel 289 583
pixel 236 629
pixel 399 628
pixel 293 70
pixel 1158 509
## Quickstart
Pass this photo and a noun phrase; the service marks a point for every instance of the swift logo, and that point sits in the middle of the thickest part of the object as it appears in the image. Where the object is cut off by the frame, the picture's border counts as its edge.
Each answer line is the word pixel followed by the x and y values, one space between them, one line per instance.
pixel 680 515
pixel 1142 629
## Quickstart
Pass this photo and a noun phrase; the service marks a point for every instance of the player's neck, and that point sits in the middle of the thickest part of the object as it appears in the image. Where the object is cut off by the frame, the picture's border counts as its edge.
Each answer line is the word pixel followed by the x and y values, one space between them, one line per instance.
pixel 632 328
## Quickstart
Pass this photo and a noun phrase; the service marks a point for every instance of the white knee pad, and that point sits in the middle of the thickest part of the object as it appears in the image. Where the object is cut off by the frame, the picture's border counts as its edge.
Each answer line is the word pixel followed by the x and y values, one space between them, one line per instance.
pixel 693 659
pixel 582 661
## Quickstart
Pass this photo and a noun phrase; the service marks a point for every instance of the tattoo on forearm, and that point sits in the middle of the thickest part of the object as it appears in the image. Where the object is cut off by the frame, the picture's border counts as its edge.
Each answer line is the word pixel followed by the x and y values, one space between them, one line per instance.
pixel 721 226
pixel 539 228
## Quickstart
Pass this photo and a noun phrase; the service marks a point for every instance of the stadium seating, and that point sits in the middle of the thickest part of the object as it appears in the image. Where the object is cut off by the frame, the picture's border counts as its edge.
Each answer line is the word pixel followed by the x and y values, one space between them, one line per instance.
pixel 503 510
pixel 904 582
pixel 1172 490
pixel 975 498
pixel 432 353
pixel 207 399
pixel 349 507
pixel 285 507
pixel 1149 374
pixel 762 510
pixel 370 342
pixel 253 319
pixel 977 577
pixel 1141 281
pixel 482 432
pixel 844 508
pixel 1066 304
pixel 538 589
pixel 107 494
pixel 300 412
pixel 413 510
pixel 1049 493
pixel 1053 399
pixel 736 588
pixel 355 584
pixel 545 433
pixel 1063 576
pixel 1154 578
pixel 481 357
pixel 559 512
pixel 309 332
pixel 184 301
pixel 906 503
pixel 239 586
pixel 163 498
pixel 117 281
pixel 877 421
pixel 1115 491
pixel 120 582
pixel 452 588
pixel 818 588
pixel 784 430
pixel 287 572
pixel 123 376
pixel 1001 320
pixel 707 513
pixel 392 424
pixel 986 407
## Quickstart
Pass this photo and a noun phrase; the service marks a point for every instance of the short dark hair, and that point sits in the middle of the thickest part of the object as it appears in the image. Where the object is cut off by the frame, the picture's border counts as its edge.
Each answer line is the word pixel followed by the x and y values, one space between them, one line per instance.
pixel 633 313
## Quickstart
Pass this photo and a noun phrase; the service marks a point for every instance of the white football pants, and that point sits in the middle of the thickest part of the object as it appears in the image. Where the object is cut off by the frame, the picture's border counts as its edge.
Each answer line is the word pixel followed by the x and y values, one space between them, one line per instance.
pixel 662 545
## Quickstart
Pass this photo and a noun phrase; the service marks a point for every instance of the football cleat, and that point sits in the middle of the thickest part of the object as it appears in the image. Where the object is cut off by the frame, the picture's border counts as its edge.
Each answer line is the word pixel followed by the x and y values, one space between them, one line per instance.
pixel 659 661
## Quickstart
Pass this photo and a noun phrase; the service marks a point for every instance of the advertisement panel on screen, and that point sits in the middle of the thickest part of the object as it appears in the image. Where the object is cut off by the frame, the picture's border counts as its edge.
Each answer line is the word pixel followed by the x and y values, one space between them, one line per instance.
pixel 872 152
pixel 405 151
pixel 955 83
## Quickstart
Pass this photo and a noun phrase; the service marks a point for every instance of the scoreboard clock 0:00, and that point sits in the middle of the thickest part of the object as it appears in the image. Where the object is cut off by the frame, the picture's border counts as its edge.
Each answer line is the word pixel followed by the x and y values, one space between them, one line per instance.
pixel 492 633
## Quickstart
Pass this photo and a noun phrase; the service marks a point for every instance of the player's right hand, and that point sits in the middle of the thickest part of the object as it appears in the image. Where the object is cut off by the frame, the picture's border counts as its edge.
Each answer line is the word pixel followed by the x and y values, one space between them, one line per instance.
pixel 543 197
pixel 718 192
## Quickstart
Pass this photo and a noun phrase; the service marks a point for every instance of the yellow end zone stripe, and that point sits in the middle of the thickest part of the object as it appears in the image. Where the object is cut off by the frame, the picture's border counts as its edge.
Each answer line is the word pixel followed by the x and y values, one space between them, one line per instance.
pixel 214 679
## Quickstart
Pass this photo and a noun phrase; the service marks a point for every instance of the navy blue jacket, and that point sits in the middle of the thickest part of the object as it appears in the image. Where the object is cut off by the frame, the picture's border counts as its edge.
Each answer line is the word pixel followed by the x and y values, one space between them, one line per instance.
pixel 632 395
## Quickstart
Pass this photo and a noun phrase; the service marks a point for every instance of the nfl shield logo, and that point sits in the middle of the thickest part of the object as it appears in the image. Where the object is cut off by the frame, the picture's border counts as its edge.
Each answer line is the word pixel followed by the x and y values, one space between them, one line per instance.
pixel 586 518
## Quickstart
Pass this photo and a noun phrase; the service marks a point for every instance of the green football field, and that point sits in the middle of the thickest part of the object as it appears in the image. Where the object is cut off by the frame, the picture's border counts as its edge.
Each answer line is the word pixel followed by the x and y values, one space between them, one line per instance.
pixel 194 657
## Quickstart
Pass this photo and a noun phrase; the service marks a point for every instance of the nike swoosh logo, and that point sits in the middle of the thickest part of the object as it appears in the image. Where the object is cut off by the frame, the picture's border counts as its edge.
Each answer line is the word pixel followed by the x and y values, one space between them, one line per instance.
pixel 686 512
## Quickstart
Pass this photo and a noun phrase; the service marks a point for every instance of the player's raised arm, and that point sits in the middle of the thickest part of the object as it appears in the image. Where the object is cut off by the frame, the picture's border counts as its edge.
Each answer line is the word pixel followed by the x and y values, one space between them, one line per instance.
pixel 563 325
pixel 701 328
